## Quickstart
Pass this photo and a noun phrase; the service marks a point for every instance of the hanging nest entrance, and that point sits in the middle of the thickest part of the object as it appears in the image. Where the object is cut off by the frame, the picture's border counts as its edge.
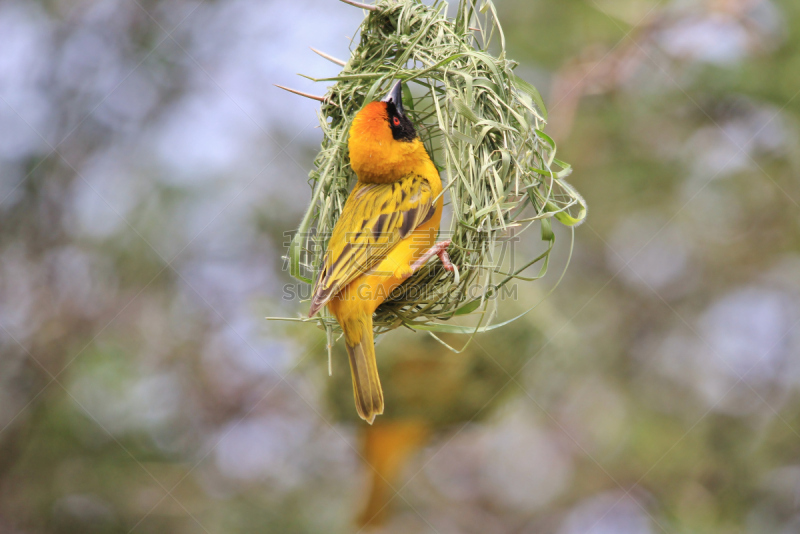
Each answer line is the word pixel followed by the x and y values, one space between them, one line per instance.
pixel 482 126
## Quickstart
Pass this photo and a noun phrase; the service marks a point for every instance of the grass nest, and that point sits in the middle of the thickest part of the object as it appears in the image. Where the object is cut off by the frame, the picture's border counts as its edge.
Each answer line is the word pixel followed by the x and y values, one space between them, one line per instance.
pixel 482 125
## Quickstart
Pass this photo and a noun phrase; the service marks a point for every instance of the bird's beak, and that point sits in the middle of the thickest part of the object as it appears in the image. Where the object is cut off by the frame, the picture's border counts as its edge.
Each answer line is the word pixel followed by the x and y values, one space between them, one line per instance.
pixel 395 96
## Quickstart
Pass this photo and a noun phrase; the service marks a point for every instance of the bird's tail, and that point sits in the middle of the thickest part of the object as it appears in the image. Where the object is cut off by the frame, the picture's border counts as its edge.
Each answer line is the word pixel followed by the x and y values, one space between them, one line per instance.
pixel 364 369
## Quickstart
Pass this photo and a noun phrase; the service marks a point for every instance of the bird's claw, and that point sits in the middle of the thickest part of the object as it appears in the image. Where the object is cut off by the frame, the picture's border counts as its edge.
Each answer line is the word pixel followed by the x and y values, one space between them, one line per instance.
pixel 439 249
pixel 444 257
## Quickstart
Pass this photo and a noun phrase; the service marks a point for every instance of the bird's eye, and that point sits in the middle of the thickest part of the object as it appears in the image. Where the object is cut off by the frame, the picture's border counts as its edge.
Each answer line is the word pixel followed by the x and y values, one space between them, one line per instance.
pixel 396 121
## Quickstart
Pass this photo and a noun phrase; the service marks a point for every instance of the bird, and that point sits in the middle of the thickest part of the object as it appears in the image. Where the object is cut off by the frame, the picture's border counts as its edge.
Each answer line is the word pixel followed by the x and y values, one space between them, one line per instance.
pixel 386 231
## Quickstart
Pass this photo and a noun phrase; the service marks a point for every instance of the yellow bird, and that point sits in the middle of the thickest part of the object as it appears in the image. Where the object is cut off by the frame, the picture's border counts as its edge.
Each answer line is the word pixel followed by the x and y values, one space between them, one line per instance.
pixel 387 230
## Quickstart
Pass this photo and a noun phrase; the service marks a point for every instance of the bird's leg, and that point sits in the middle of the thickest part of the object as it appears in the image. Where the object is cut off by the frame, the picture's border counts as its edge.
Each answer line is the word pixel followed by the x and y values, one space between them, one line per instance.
pixel 439 249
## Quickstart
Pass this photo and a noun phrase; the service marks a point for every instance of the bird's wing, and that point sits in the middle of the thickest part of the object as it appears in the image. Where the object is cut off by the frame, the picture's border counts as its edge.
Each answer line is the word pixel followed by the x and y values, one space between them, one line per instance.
pixel 374 219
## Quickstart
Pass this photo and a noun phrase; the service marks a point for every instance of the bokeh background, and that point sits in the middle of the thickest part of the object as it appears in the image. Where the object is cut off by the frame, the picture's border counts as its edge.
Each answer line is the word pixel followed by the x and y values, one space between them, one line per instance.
pixel 149 171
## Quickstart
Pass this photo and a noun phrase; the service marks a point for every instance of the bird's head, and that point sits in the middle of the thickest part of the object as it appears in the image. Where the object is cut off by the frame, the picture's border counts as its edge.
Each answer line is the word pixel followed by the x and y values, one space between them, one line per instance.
pixel 384 145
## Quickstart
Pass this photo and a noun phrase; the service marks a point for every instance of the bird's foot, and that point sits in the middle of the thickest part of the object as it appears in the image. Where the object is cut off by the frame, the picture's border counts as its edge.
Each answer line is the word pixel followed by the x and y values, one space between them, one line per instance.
pixel 439 249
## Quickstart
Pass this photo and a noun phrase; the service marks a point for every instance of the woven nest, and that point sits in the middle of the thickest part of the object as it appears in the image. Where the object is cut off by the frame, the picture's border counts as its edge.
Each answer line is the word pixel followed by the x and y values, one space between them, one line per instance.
pixel 481 124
